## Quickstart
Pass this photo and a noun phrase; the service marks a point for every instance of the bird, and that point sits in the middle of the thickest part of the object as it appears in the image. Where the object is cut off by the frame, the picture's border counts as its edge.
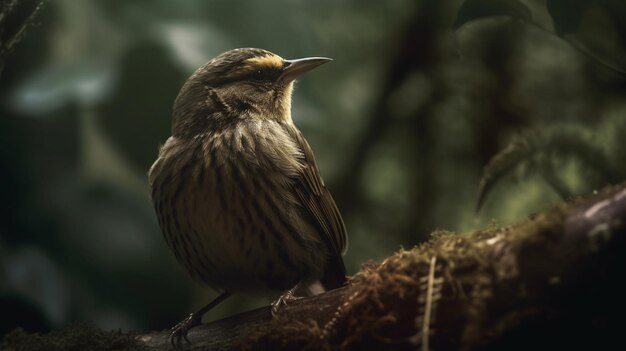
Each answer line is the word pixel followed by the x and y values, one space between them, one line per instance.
pixel 236 188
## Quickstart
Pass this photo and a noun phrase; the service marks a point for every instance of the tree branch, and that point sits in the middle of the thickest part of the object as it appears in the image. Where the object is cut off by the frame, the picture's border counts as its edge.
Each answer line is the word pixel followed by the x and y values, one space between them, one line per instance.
pixel 456 292
pixel 546 283
pixel 7 46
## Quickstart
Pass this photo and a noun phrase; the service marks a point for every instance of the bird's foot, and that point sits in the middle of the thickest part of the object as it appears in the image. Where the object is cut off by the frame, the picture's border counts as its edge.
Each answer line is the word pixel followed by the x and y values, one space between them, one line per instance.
pixel 280 303
pixel 181 329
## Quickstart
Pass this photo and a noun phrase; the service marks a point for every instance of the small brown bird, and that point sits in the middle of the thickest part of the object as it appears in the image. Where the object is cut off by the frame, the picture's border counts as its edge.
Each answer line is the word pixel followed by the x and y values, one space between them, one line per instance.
pixel 236 188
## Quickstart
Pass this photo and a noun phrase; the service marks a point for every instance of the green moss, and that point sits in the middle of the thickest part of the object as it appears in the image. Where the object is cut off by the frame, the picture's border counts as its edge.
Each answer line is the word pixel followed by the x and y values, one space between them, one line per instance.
pixel 384 306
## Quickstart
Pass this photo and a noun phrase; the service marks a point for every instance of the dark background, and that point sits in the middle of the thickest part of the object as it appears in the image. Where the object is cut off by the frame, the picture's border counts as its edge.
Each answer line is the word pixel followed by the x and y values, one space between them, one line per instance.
pixel 421 95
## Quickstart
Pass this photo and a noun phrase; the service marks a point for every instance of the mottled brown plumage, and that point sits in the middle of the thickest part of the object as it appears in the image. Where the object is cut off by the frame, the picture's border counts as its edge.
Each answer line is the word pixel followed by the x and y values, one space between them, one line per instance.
pixel 236 189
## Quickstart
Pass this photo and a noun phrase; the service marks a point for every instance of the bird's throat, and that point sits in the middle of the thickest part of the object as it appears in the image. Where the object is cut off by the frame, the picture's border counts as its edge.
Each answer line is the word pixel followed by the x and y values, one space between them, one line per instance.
pixel 285 103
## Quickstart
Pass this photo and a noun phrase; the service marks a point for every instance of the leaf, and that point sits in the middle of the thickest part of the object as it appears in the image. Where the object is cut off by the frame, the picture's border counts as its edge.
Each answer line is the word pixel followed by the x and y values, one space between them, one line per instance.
pixel 595 28
pixel 83 81
pixel 84 63
pixel 193 44
pixel 567 14
pixel 476 9
pixel 578 145
pixel 539 151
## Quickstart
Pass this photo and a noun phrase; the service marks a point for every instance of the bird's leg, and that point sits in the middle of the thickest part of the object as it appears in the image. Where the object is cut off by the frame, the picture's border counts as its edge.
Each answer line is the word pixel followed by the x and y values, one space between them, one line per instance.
pixel 283 299
pixel 181 329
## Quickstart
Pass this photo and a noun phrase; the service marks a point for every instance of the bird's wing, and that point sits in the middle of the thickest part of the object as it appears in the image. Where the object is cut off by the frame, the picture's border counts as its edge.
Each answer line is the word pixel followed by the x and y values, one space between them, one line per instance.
pixel 311 191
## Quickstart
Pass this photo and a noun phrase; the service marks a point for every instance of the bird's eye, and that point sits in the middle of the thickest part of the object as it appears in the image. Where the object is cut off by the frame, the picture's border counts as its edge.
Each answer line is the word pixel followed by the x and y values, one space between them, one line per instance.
pixel 258 76
pixel 262 75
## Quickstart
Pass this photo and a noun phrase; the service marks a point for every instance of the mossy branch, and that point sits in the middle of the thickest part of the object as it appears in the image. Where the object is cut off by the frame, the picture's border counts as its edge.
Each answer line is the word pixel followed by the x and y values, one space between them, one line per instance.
pixel 546 283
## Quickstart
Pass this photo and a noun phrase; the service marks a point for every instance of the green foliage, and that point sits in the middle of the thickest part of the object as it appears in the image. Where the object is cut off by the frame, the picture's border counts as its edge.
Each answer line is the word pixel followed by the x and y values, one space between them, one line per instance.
pixel 595 28
pixel 543 153
pixel 476 9
pixel 400 123
pixel 567 14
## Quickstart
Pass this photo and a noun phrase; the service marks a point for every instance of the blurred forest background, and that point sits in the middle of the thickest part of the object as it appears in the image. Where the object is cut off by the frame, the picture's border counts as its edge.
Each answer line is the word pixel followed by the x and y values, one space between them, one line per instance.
pixel 420 97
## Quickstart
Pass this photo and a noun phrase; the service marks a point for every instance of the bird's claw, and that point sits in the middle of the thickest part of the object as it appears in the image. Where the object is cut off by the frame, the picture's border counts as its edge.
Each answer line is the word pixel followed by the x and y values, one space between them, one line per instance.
pixel 281 302
pixel 181 329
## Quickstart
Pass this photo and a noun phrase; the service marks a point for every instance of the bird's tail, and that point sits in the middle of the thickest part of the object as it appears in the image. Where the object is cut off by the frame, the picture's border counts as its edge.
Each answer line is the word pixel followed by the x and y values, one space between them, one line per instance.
pixel 334 273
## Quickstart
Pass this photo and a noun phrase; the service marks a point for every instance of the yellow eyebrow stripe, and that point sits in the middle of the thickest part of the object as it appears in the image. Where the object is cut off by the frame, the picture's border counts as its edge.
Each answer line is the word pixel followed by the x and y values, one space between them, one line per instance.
pixel 269 61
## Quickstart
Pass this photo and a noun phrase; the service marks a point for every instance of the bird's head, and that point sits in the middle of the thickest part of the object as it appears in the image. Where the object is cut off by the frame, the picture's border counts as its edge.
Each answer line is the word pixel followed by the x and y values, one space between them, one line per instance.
pixel 240 83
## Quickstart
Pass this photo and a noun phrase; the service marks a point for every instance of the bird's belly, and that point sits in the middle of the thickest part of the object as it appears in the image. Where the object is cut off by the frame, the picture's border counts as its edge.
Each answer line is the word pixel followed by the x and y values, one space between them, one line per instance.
pixel 244 239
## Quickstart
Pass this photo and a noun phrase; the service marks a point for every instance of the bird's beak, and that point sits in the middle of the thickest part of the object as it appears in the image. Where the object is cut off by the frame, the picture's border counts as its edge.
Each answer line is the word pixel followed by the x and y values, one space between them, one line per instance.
pixel 294 68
